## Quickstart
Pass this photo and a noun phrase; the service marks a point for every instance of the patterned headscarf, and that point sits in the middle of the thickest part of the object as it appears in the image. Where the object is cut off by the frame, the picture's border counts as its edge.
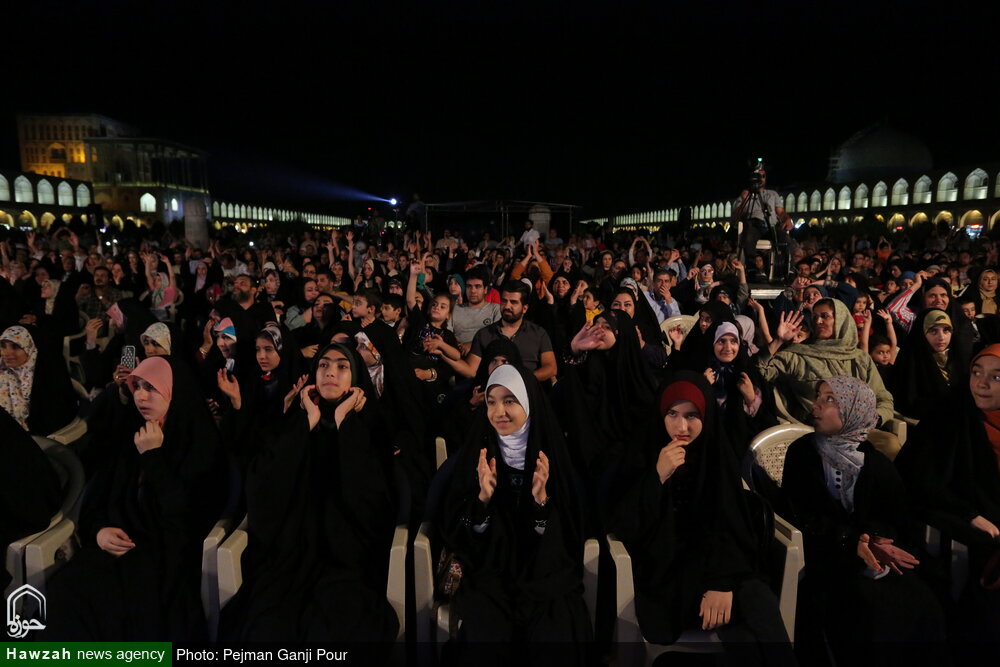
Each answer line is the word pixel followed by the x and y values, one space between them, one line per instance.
pixel 273 334
pixel 15 383
pixel 159 334
pixel 840 450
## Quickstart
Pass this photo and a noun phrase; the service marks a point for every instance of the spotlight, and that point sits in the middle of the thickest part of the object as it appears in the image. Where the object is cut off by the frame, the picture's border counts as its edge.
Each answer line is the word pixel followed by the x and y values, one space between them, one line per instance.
pixel 393 202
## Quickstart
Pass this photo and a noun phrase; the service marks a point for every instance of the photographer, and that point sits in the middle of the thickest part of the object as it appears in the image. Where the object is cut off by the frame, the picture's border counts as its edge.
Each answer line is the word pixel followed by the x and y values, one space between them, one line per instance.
pixel 759 215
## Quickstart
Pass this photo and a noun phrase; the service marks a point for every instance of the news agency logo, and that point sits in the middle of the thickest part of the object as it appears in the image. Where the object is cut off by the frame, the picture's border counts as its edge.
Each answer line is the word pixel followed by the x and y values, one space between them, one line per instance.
pixel 23 597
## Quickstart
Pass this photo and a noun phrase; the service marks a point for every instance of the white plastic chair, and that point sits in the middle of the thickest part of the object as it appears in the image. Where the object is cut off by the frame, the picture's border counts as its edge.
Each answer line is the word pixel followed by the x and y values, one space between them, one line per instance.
pixel 77 428
pixel 768 448
pixel 437 623
pixel 686 323
pixel 628 635
pixel 230 572
pixel 440 452
pixel 73 363
pixel 33 558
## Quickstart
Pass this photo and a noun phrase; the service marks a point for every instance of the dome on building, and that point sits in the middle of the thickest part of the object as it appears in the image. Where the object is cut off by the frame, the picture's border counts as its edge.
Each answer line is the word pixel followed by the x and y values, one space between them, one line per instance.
pixel 878 151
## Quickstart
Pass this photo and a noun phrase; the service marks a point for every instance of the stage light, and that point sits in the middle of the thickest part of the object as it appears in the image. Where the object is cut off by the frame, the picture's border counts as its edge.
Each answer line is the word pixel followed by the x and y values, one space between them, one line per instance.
pixel 393 202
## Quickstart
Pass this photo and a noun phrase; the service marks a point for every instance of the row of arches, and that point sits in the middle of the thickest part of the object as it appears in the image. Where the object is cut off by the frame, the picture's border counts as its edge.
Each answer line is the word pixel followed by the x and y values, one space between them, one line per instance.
pixel 232 211
pixel 62 194
pixel 649 217
pixel 924 190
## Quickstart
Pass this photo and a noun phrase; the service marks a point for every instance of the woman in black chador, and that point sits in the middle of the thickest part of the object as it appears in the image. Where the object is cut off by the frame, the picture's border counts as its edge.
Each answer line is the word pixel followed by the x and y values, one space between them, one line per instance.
pixel 696 543
pixel 320 516
pixel 849 502
pixel 512 518
pixel 138 574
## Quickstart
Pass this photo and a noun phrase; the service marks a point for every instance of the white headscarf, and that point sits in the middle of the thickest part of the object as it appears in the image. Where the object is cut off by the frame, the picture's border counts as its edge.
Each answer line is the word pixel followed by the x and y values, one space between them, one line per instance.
pixel 513 447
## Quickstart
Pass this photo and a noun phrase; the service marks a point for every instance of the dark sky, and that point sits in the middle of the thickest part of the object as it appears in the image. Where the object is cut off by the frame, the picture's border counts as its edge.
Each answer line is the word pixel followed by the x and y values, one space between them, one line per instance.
pixel 614 106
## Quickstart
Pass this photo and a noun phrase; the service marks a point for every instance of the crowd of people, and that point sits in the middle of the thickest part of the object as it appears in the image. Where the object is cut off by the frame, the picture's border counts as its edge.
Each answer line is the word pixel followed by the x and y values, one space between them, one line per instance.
pixel 301 381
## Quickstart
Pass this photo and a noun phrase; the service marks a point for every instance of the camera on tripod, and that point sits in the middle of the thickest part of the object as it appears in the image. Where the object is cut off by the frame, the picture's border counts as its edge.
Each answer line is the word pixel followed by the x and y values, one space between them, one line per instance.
pixel 758 174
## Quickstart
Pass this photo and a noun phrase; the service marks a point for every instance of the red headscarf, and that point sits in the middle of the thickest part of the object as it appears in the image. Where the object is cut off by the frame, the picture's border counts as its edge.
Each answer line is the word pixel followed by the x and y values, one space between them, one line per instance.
pixel 992 417
pixel 682 391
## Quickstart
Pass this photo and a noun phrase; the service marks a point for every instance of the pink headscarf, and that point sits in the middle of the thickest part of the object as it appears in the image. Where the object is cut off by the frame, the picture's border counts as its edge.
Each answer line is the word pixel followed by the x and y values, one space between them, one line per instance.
pixel 157 372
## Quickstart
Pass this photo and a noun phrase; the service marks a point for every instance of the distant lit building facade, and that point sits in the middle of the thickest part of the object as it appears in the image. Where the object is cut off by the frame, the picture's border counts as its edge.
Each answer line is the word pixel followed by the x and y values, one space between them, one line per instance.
pixel 878 174
pixel 130 176
pixel 32 200
pixel 55 144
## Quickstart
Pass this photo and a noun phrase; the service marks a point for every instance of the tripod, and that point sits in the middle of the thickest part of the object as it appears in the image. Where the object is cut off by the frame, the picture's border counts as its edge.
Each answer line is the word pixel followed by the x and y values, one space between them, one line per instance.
pixel 741 216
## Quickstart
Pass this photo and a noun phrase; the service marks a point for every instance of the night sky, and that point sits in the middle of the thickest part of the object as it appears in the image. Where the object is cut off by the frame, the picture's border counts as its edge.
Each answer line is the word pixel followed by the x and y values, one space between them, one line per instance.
pixel 613 106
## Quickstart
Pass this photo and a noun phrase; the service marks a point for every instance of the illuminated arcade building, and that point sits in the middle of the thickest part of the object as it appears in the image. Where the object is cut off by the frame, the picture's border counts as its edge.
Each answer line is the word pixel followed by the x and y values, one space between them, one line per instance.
pixel 31 200
pixel 130 176
pixel 879 173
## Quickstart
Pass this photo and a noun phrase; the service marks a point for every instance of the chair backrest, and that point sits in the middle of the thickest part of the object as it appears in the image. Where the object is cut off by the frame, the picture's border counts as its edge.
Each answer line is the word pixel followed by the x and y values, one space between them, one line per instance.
pixel 767 449
pixel 71 476
pixel 686 323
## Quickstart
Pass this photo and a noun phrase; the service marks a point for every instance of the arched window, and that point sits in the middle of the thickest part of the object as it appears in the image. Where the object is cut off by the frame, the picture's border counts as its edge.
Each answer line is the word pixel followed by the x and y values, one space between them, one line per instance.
pixel 65 194
pixel 715 210
pixel 23 190
pixel 922 190
pixel 815 201
pixel 790 203
pixel 976 184
pixel 861 196
pixel 879 194
pixel 803 203
pixel 829 200
pixel 215 209
pixel 82 196
pixel 147 203
pixel 900 194
pixel 46 195
pixel 947 187
pixel 4 188
pixel 729 209
pixel 844 201
pixel 174 206
pixel 242 212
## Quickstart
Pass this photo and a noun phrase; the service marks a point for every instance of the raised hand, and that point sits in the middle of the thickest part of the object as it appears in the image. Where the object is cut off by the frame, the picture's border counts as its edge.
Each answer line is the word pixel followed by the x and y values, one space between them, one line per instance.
pixel 789 325
pixel 310 405
pixel 296 388
pixel 884 314
pixel 150 436
pixel 676 335
pixel 709 375
pixel 92 329
pixel 354 401
pixel 586 339
pixel 487 476
pixel 745 385
pixel 670 459
pixel 539 479
pixel 756 305
pixel 230 387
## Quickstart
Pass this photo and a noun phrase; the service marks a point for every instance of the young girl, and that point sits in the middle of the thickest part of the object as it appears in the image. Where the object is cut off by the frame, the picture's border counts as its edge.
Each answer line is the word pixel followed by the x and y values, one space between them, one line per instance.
pixel 684 518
